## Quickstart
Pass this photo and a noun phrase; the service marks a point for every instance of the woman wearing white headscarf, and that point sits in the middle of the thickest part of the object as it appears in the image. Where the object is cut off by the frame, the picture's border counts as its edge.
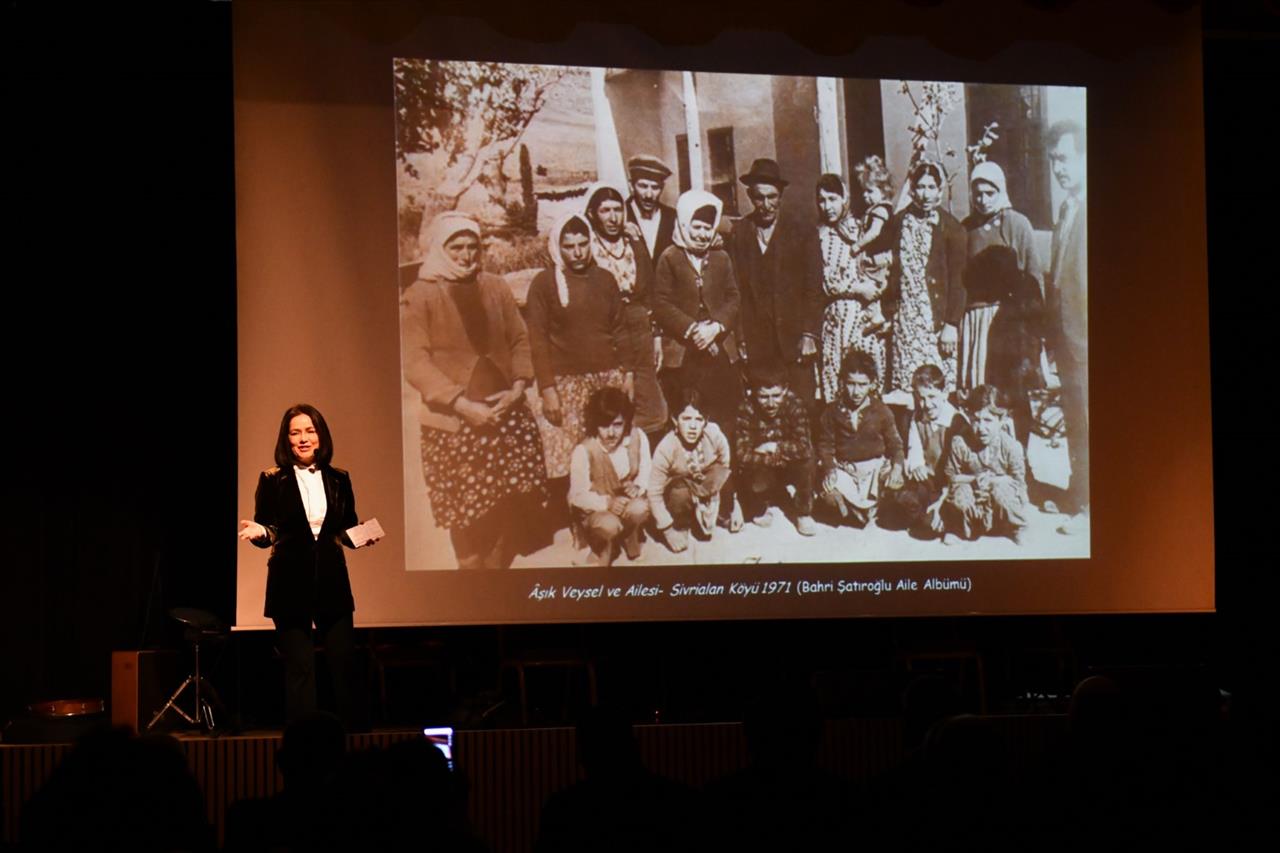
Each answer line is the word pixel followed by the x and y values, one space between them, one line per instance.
pixel 632 268
pixel 577 339
pixel 1000 332
pixel 697 306
pixel 466 352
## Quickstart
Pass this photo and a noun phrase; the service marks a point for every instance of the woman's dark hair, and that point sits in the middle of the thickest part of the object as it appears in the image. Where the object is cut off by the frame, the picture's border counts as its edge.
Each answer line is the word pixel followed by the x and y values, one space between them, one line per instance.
pixel 706 213
pixel 576 226
pixel 598 198
pixel 605 405
pixel 927 167
pixel 686 398
pixel 856 361
pixel 284 451
pixel 829 183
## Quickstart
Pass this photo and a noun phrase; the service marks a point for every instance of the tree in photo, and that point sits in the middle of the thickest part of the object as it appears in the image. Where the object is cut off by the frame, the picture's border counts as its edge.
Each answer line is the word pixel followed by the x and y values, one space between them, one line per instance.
pixel 469 115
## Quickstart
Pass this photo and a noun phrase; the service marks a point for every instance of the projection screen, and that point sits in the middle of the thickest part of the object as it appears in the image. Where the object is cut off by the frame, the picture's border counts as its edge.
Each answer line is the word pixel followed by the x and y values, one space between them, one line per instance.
pixel 999 446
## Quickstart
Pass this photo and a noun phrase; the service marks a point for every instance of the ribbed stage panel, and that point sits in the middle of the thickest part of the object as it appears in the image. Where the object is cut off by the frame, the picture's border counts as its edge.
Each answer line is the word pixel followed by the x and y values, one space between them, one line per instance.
pixel 513 771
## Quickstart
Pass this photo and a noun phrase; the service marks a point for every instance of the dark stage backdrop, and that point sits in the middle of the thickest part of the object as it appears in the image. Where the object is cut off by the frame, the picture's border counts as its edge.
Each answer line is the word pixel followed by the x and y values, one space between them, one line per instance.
pixel 318 246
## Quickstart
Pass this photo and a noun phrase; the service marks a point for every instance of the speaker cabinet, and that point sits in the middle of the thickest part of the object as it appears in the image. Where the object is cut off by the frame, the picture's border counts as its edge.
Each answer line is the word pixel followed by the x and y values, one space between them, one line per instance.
pixel 142 681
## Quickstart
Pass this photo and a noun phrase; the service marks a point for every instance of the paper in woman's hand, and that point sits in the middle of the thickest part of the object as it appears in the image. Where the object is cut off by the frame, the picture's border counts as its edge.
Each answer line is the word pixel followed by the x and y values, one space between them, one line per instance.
pixel 365 533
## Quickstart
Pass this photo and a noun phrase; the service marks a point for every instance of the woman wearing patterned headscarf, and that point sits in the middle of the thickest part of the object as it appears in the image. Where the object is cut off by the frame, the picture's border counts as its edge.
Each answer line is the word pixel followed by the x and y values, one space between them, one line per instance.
pixel 577 338
pixel 697 306
pixel 925 296
pixel 632 268
pixel 1000 333
pixel 466 352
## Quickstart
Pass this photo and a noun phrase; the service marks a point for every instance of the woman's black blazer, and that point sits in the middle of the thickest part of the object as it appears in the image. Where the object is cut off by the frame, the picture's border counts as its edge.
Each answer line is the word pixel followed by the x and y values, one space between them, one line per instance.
pixel 306 575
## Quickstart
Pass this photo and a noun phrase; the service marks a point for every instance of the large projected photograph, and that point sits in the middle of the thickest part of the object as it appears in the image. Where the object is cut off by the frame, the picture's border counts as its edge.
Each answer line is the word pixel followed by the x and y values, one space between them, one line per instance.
pixel 658 317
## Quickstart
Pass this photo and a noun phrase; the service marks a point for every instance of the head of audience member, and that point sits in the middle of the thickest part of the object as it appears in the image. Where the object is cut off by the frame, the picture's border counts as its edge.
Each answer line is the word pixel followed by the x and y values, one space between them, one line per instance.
pixel 648 177
pixel 765 185
pixel 1066 147
pixel 608 416
pixel 606 212
pixel 1097 712
pixel 606 745
pixel 929 386
pixel 833 201
pixel 311 750
pixel 117 791
pixel 928 181
pixel 874 180
pixel 303 438
pixel 768 389
pixel 987 408
pixel 574 244
pixel 688 417
pixel 858 377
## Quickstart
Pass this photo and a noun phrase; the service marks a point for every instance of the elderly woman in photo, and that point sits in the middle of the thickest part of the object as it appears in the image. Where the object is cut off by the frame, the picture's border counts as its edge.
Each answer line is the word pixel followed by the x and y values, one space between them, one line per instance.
pixel 697 305
pixel 925 297
pixel 629 262
pixel 852 313
pixel 466 351
pixel 577 338
pixel 1001 331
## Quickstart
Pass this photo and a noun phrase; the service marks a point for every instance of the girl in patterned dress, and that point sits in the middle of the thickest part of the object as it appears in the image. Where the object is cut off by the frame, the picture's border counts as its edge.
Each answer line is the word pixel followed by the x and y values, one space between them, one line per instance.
pixel 853 298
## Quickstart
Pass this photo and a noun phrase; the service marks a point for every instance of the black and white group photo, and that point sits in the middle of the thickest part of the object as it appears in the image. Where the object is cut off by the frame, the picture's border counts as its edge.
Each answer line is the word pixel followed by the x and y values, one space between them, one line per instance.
pixel 671 317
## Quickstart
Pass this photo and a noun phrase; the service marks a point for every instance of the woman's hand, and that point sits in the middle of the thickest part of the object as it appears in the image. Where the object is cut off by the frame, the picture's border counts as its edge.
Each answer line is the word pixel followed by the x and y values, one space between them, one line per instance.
pixel 629 386
pixel 657 354
pixel 829 481
pixel 504 400
pixel 251 530
pixel 947 341
pixel 551 406
pixel 808 347
pixel 633 489
pixel 475 414
pixel 618 505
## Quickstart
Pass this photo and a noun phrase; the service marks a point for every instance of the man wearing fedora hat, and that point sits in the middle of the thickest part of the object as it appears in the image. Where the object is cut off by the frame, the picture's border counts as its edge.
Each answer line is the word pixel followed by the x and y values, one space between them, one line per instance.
pixel 648 219
pixel 778 264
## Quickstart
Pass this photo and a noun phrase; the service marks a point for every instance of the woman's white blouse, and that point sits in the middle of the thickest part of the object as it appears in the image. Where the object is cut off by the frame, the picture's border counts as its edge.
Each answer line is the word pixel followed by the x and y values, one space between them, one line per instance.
pixel 311 487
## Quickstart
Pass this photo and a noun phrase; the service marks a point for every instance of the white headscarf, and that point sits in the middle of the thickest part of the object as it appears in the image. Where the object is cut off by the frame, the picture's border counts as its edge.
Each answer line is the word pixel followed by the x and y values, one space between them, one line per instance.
pixel 557 260
pixel 436 261
pixel 687 205
pixel 991 173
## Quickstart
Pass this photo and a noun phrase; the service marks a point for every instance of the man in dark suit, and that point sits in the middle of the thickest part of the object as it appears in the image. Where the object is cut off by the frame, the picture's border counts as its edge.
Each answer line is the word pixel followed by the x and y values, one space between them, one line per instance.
pixel 777 262
pixel 648 219
pixel 1067 300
